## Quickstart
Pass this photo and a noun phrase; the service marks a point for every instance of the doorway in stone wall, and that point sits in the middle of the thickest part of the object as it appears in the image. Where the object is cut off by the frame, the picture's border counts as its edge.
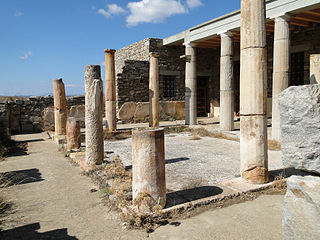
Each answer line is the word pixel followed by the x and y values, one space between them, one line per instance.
pixel 203 105
pixel 297 69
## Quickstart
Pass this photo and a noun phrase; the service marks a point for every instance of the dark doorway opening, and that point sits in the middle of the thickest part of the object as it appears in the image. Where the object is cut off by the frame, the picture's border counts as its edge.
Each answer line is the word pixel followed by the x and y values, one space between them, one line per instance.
pixel 203 106
pixel 236 78
pixel 297 69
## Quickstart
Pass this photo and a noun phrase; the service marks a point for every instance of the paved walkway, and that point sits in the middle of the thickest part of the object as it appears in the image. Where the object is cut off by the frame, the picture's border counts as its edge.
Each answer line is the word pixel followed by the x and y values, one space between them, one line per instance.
pixel 56 202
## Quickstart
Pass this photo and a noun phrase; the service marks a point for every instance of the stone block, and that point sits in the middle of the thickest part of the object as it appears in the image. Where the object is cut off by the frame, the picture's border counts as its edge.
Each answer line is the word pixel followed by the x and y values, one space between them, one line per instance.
pixel 127 111
pixel 300 127
pixel 301 211
pixel 179 110
pixel 48 118
pixel 142 111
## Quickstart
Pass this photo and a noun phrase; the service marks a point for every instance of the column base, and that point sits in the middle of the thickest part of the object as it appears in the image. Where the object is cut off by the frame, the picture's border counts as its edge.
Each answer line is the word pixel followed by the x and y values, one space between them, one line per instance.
pixel 256 175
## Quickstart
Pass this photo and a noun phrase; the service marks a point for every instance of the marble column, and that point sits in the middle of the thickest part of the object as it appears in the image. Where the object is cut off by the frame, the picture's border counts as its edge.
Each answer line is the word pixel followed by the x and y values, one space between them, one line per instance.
pixel 93 116
pixel 226 83
pixel 148 164
pixel 281 67
pixel 110 104
pixel 154 107
pixel 253 93
pixel 60 107
pixel 191 85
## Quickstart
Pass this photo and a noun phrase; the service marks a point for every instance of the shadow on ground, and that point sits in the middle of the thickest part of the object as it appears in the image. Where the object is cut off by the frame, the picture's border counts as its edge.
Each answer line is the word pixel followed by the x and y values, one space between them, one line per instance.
pixel 192 194
pixel 168 161
pixel 20 177
pixel 287 172
pixel 29 232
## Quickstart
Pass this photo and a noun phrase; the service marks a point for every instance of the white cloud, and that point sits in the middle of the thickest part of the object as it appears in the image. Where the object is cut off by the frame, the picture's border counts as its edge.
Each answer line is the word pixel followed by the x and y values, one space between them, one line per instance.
pixel 194 3
pixel 104 13
pixel 113 9
pixel 17 14
pixel 155 11
pixel 103 63
pixel 25 55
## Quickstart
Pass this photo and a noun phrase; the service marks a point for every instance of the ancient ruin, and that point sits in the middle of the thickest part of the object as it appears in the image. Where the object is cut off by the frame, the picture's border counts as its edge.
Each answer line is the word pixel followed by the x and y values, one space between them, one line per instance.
pixel 110 104
pixel 148 165
pixel 94 110
pixel 60 110
pixel 223 115
pixel 73 134
pixel 154 107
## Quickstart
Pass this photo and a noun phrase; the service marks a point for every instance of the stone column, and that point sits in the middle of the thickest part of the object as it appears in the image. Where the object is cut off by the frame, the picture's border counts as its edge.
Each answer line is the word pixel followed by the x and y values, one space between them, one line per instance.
pixel 191 85
pixel 154 107
pixel 281 66
pixel 253 84
pixel 111 119
pixel 315 69
pixel 148 163
pixel 60 107
pixel 226 83
pixel 93 116
pixel 73 134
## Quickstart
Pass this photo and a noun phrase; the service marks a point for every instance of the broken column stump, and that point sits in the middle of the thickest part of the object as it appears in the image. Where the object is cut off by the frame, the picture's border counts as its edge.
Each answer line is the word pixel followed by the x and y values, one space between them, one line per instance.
pixel 73 134
pixel 93 116
pixel 148 163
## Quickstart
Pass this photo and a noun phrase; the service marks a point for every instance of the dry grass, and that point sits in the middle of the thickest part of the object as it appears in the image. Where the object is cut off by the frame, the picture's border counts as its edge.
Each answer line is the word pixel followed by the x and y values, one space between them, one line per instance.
pixel 274 145
pixel 178 129
pixel 116 136
pixel 5 205
pixel 195 137
pixel 202 132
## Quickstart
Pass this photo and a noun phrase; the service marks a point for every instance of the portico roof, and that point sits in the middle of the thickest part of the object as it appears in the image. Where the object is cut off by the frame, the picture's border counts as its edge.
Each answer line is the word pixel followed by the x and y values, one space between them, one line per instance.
pixel 207 34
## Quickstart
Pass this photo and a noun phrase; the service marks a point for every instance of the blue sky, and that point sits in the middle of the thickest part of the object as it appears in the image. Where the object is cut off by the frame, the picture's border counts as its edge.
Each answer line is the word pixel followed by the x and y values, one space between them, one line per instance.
pixel 46 39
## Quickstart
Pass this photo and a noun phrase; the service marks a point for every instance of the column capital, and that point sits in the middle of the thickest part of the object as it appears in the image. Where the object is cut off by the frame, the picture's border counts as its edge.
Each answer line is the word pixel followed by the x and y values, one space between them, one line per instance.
pixel 189 44
pixel 282 18
pixel 154 54
pixel 225 34
pixel 109 51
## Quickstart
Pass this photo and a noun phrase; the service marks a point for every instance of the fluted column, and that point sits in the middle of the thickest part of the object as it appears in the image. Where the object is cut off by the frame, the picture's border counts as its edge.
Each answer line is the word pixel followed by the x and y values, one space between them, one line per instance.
pixel 154 107
pixel 110 104
pixel 226 83
pixel 191 85
pixel 281 66
pixel 60 107
pixel 253 83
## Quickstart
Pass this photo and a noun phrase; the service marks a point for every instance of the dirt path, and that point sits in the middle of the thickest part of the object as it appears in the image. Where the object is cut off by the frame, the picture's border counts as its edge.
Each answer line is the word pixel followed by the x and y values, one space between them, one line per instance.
pixel 56 202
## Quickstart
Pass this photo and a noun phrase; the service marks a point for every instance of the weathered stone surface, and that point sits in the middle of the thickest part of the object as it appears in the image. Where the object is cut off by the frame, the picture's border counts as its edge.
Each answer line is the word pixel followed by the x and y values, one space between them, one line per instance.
pixel 148 164
pixel 94 110
pixel 140 111
pixel 78 112
pixel 301 211
pixel 127 111
pixel 300 127
pixel 73 134
pixel 60 107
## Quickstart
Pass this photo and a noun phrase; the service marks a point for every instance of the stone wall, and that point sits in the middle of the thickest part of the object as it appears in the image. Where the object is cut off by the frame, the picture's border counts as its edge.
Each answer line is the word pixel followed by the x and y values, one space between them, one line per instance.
pixel 26 115
pixel 132 68
pixel 4 128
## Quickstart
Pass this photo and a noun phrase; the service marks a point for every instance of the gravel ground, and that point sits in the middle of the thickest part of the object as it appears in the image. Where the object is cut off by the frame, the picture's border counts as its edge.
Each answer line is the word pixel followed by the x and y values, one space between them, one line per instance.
pixel 191 163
